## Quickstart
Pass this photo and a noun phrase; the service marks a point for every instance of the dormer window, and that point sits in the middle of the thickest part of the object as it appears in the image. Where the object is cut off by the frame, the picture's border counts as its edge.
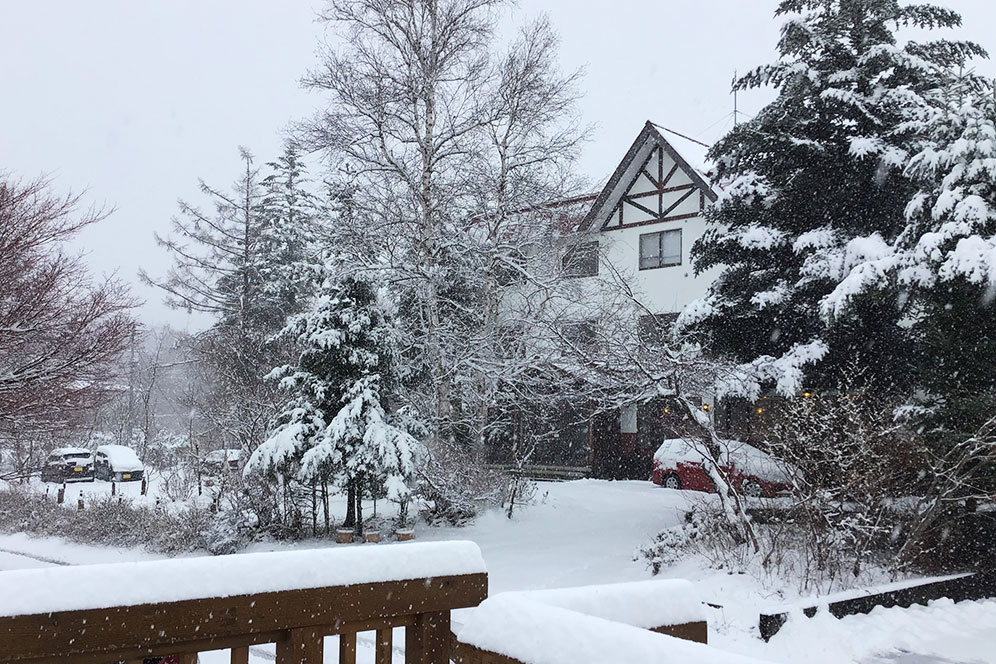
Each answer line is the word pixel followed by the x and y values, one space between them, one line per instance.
pixel 661 249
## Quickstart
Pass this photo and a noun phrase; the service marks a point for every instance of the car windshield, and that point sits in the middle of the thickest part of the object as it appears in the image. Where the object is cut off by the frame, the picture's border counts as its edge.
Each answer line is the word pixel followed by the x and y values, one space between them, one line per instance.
pixel 77 456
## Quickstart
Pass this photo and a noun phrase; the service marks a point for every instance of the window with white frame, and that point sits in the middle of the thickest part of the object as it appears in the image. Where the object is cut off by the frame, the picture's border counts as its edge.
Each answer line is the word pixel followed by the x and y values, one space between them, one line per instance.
pixel 661 249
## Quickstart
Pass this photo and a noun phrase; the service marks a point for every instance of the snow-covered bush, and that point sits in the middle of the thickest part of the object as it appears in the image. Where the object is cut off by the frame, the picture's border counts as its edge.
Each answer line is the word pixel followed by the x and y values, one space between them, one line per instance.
pixel 705 532
pixel 669 546
pixel 227 531
pixel 455 485
pixel 111 520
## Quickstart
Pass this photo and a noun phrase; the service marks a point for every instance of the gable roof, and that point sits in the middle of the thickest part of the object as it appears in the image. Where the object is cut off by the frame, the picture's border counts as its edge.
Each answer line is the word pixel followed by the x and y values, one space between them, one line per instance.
pixel 631 164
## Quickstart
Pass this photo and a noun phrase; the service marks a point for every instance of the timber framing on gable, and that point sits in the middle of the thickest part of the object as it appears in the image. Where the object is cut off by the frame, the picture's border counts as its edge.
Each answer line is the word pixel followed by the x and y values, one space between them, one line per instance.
pixel 652 184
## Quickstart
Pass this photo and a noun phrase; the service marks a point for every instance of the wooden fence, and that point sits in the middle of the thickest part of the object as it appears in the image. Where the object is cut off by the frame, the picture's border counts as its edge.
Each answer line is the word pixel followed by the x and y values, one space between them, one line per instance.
pixel 296 620
pixel 102 614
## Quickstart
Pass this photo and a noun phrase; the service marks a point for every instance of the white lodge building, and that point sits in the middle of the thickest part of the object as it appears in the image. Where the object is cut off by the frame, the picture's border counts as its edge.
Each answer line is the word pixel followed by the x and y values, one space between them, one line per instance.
pixel 648 216
pixel 639 228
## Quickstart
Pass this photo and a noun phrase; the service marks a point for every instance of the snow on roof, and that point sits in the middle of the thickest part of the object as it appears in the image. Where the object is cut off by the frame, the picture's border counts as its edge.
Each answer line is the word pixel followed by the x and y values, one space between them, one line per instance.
pixel 81 451
pixel 565 214
pixel 538 633
pixel 645 604
pixel 50 589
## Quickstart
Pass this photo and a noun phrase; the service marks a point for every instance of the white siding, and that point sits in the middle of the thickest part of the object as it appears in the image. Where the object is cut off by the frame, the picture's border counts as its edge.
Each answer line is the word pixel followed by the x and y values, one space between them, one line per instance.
pixel 663 289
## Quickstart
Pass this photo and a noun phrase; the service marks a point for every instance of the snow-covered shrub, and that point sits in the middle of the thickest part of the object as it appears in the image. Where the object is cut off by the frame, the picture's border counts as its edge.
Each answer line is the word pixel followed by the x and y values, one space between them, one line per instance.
pixel 112 520
pixel 226 532
pixel 669 546
pixel 454 486
pixel 706 532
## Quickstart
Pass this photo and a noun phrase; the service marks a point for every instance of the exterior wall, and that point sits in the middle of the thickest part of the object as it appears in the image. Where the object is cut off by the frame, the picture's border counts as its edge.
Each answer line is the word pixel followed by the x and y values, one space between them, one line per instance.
pixel 650 192
pixel 662 289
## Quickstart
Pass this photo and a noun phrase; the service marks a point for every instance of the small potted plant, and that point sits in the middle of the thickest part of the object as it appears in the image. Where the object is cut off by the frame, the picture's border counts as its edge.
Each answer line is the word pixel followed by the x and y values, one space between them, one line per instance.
pixel 402 528
pixel 344 535
pixel 371 535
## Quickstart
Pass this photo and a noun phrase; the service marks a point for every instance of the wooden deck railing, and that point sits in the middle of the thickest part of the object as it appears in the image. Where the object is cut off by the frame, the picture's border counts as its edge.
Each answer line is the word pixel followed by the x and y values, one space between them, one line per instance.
pixel 295 619
pixel 642 622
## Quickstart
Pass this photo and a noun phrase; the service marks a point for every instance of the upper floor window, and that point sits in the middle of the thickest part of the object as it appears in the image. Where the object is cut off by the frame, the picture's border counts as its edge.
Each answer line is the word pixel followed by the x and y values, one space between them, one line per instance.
pixel 655 329
pixel 581 260
pixel 661 249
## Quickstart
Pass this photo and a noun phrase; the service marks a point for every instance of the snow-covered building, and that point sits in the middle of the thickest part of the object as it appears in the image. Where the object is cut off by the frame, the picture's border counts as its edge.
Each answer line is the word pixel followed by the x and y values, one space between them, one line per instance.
pixel 638 230
pixel 649 214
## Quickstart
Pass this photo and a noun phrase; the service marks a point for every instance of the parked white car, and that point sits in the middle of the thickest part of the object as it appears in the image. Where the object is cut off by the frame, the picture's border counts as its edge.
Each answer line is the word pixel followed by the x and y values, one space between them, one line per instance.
pixel 117 463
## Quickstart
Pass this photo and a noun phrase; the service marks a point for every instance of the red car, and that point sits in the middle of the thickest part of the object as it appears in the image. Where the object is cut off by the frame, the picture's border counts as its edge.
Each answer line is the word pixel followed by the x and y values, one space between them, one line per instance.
pixel 678 465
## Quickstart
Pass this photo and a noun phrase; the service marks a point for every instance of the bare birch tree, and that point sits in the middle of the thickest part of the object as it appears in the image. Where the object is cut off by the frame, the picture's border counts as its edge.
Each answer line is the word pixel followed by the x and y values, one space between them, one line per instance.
pixel 450 145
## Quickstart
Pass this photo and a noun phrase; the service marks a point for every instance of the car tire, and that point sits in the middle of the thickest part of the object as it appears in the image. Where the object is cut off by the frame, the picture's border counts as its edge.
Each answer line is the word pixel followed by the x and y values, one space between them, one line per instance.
pixel 671 481
pixel 751 488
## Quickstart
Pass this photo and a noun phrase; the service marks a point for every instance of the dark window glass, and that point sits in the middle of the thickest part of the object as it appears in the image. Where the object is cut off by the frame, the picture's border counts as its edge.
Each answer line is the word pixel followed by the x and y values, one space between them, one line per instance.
pixel 655 329
pixel 581 334
pixel 581 260
pixel 509 269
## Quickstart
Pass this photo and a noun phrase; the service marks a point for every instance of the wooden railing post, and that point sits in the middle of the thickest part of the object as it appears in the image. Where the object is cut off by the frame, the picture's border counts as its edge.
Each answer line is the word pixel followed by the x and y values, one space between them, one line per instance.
pixel 240 655
pixel 382 653
pixel 347 648
pixel 428 639
pixel 303 645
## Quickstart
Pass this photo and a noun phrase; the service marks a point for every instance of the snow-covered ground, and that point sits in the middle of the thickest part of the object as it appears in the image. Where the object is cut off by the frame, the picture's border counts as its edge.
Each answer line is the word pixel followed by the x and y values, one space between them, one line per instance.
pixel 586 532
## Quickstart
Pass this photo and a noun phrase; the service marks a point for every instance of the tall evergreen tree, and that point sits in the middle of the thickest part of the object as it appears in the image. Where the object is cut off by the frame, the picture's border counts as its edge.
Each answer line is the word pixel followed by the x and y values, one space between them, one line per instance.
pixel 290 241
pixel 813 185
pixel 239 263
pixel 336 425
pixel 946 261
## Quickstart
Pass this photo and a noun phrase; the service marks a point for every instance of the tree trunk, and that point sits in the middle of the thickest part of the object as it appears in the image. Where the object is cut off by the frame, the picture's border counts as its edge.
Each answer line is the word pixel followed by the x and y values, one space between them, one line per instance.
pixel 359 507
pixel 350 520
pixel 314 509
pixel 325 505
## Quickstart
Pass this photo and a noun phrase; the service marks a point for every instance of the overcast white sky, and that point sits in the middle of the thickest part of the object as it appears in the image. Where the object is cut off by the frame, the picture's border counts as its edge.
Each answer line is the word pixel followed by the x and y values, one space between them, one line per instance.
pixel 135 99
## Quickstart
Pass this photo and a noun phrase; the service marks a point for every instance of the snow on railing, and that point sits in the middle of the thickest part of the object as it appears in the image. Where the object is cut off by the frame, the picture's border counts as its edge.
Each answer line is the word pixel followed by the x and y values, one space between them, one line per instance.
pixel 627 622
pixel 127 611
pixel 646 604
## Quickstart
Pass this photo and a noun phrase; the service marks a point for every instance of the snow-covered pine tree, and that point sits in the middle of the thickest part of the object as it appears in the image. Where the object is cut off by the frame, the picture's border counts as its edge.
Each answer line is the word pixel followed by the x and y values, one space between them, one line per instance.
pixel 945 259
pixel 336 426
pixel 944 262
pixel 814 184
pixel 290 237
pixel 229 262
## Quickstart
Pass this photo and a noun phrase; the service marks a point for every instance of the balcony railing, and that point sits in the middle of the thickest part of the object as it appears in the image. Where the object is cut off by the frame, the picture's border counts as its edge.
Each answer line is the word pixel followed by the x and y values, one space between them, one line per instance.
pixel 126 612
pixel 644 622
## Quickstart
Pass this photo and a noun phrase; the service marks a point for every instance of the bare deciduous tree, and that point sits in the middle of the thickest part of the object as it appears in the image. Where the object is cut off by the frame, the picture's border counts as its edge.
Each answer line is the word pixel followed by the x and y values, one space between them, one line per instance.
pixel 60 329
